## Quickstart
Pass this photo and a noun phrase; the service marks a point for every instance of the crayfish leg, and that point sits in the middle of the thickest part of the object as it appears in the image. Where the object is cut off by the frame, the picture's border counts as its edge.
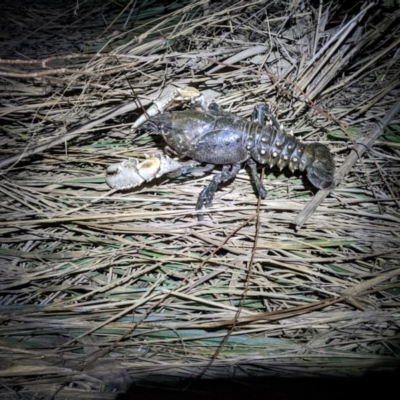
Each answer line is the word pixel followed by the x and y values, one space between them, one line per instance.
pixel 207 194
pixel 260 112
pixel 215 109
pixel 257 181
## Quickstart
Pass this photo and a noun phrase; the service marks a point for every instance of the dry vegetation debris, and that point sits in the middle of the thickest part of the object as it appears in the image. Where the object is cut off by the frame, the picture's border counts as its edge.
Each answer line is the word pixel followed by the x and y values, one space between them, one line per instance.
pixel 93 279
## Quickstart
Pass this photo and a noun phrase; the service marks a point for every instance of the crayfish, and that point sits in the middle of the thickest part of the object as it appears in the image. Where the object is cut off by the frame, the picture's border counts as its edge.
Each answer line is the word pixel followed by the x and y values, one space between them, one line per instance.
pixel 209 135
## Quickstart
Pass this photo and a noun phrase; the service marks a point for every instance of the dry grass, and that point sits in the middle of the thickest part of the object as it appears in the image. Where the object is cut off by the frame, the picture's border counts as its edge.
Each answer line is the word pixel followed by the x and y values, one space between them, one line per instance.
pixel 93 280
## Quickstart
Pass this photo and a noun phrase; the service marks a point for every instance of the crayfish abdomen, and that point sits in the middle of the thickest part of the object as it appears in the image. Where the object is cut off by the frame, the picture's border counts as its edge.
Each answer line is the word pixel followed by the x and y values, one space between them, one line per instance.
pixel 274 146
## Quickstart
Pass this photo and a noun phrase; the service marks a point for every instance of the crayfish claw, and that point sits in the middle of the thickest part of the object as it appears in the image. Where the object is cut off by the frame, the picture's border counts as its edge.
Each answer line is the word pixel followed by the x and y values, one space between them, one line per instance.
pixel 133 172
pixel 186 95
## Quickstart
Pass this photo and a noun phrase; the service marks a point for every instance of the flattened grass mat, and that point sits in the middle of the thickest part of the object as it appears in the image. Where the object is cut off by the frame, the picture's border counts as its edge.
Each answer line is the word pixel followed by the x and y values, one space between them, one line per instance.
pixel 101 288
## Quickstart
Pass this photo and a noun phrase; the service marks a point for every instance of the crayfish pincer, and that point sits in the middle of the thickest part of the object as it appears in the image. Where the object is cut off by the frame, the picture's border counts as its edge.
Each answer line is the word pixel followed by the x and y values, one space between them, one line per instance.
pixel 214 136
